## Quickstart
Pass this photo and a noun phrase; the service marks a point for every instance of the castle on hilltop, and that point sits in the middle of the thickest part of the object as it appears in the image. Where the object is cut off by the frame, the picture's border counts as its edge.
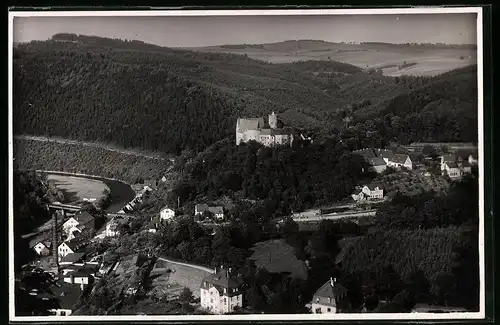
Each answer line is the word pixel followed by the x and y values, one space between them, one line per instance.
pixel 270 134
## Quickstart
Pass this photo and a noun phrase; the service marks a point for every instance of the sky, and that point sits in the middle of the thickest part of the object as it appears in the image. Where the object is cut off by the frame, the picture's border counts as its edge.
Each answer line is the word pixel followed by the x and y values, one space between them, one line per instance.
pixel 200 31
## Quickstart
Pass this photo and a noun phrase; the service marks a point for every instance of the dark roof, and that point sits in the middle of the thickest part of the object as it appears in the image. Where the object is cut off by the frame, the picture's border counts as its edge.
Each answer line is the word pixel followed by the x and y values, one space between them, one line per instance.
pixel 326 291
pixel 451 164
pixel 46 239
pixel 216 210
pixel 73 257
pixel 76 243
pixel 67 294
pixel 201 207
pixel 399 158
pixel 376 161
pixel 81 272
pixel 366 153
pixel 373 186
pixel 384 153
pixel 221 280
pixel 466 164
pixel 83 217
pixel 446 158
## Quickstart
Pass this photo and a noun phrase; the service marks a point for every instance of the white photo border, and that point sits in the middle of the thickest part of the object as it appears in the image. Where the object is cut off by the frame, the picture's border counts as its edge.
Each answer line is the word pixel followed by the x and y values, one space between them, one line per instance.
pixel 258 317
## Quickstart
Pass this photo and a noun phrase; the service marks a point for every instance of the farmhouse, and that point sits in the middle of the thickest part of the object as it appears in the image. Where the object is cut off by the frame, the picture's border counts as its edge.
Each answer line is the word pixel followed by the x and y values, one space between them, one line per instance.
pixel 81 219
pixel 455 167
pixel 217 211
pixel 167 214
pixel 327 299
pixel 41 245
pixel 400 160
pixel 71 246
pixel 378 164
pixel 114 225
pixel 368 192
pixel 221 292
pixel 82 276
pixel 255 129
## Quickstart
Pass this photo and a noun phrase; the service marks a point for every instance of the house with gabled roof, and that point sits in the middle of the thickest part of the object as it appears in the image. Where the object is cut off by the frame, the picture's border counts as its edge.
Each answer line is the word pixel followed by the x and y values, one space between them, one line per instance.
pixel 378 164
pixel 368 192
pixel 256 129
pixel 71 246
pixel 41 244
pixel 67 296
pixel 167 214
pixel 221 292
pixel 327 299
pixel 81 219
pixel 400 160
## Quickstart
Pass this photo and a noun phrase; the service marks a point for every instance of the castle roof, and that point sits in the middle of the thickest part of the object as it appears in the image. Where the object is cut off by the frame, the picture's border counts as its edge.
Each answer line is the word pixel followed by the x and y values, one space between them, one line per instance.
pixel 244 124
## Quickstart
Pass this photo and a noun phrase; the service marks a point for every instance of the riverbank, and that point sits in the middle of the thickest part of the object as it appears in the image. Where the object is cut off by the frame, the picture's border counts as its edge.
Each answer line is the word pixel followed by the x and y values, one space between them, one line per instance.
pixel 120 192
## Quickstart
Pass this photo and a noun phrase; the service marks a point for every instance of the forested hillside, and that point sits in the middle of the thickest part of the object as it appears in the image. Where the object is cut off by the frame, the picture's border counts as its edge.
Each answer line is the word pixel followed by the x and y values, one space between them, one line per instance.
pixel 134 94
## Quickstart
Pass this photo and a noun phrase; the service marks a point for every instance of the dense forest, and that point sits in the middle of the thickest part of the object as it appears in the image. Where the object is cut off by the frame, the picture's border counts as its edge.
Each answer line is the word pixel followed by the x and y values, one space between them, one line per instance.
pixel 134 94
pixel 284 179
pixel 39 155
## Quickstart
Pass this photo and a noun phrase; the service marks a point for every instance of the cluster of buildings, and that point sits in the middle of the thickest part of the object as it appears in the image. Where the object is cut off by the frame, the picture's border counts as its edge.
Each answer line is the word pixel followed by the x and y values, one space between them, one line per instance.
pixel 455 166
pixel 222 292
pixel 380 159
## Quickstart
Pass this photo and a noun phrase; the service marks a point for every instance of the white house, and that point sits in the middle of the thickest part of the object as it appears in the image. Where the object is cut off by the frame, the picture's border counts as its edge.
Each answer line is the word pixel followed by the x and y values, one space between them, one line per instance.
pixel 71 246
pixel 447 158
pixel 400 160
pixel 217 211
pixel 81 219
pixel 113 226
pixel 473 159
pixel 42 249
pixel 167 214
pixel 452 170
pixel 65 248
pixel 220 292
pixel 369 192
pixel 83 277
pixel 326 299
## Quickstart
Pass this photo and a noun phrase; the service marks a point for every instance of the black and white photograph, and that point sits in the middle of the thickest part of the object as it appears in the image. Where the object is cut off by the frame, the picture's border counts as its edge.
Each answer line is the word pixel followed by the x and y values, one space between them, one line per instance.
pixel 191 165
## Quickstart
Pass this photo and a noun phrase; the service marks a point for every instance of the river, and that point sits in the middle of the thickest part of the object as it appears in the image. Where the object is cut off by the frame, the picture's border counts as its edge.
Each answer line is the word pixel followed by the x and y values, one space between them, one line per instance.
pixel 121 193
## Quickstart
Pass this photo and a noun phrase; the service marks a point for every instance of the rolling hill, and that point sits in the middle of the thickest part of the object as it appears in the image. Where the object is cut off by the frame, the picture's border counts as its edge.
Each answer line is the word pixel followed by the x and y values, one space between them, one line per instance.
pixel 137 95
pixel 420 59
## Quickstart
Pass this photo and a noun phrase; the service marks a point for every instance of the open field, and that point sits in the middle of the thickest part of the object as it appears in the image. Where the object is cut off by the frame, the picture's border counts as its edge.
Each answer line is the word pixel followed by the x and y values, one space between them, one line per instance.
pixel 277 256
pixel 428 61
pixel 78 188
pixel 180 276
pixel 410 183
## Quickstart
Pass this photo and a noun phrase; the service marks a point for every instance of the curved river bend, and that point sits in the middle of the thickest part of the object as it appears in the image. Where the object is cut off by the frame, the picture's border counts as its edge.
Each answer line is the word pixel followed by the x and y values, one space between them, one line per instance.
pixel 121 193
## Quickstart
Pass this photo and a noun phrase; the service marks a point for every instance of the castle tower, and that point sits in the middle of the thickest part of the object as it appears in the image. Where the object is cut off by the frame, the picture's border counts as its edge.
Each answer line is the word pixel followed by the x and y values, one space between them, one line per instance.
pixel 273 121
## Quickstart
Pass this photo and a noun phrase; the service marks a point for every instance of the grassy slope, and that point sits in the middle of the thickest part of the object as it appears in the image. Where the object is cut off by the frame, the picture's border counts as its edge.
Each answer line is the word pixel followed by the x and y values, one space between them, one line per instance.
pixel 429 60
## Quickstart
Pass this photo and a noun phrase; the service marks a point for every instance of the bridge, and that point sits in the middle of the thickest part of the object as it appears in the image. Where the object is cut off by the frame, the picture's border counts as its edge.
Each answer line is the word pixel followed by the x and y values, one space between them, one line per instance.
pixel 66 207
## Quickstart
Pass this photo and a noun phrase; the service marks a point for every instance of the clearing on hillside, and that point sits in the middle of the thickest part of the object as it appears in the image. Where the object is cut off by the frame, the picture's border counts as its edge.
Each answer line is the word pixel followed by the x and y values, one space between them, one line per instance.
pixel 277 256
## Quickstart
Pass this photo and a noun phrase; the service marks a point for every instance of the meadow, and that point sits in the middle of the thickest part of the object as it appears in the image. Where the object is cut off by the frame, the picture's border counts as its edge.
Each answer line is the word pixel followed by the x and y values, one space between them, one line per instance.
pixel 426 61
pixel 76 189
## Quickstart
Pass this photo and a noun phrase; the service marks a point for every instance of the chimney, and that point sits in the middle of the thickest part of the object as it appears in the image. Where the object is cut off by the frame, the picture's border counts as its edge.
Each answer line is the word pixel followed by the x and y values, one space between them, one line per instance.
pixel 55 245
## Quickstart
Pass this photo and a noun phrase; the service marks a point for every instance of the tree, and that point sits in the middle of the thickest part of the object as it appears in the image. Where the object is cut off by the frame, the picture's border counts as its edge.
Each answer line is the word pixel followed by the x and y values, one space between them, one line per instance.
pixel 186 296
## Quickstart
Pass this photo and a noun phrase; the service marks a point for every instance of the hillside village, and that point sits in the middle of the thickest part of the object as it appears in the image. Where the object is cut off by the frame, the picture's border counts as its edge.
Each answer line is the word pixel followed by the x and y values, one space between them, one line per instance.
pixel 283 176
pixel 68 250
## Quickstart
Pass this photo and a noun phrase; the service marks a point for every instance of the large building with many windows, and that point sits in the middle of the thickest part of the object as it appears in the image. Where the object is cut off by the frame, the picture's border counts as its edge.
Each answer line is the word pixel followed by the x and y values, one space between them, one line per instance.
pixel 270 134
pixel 221 293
